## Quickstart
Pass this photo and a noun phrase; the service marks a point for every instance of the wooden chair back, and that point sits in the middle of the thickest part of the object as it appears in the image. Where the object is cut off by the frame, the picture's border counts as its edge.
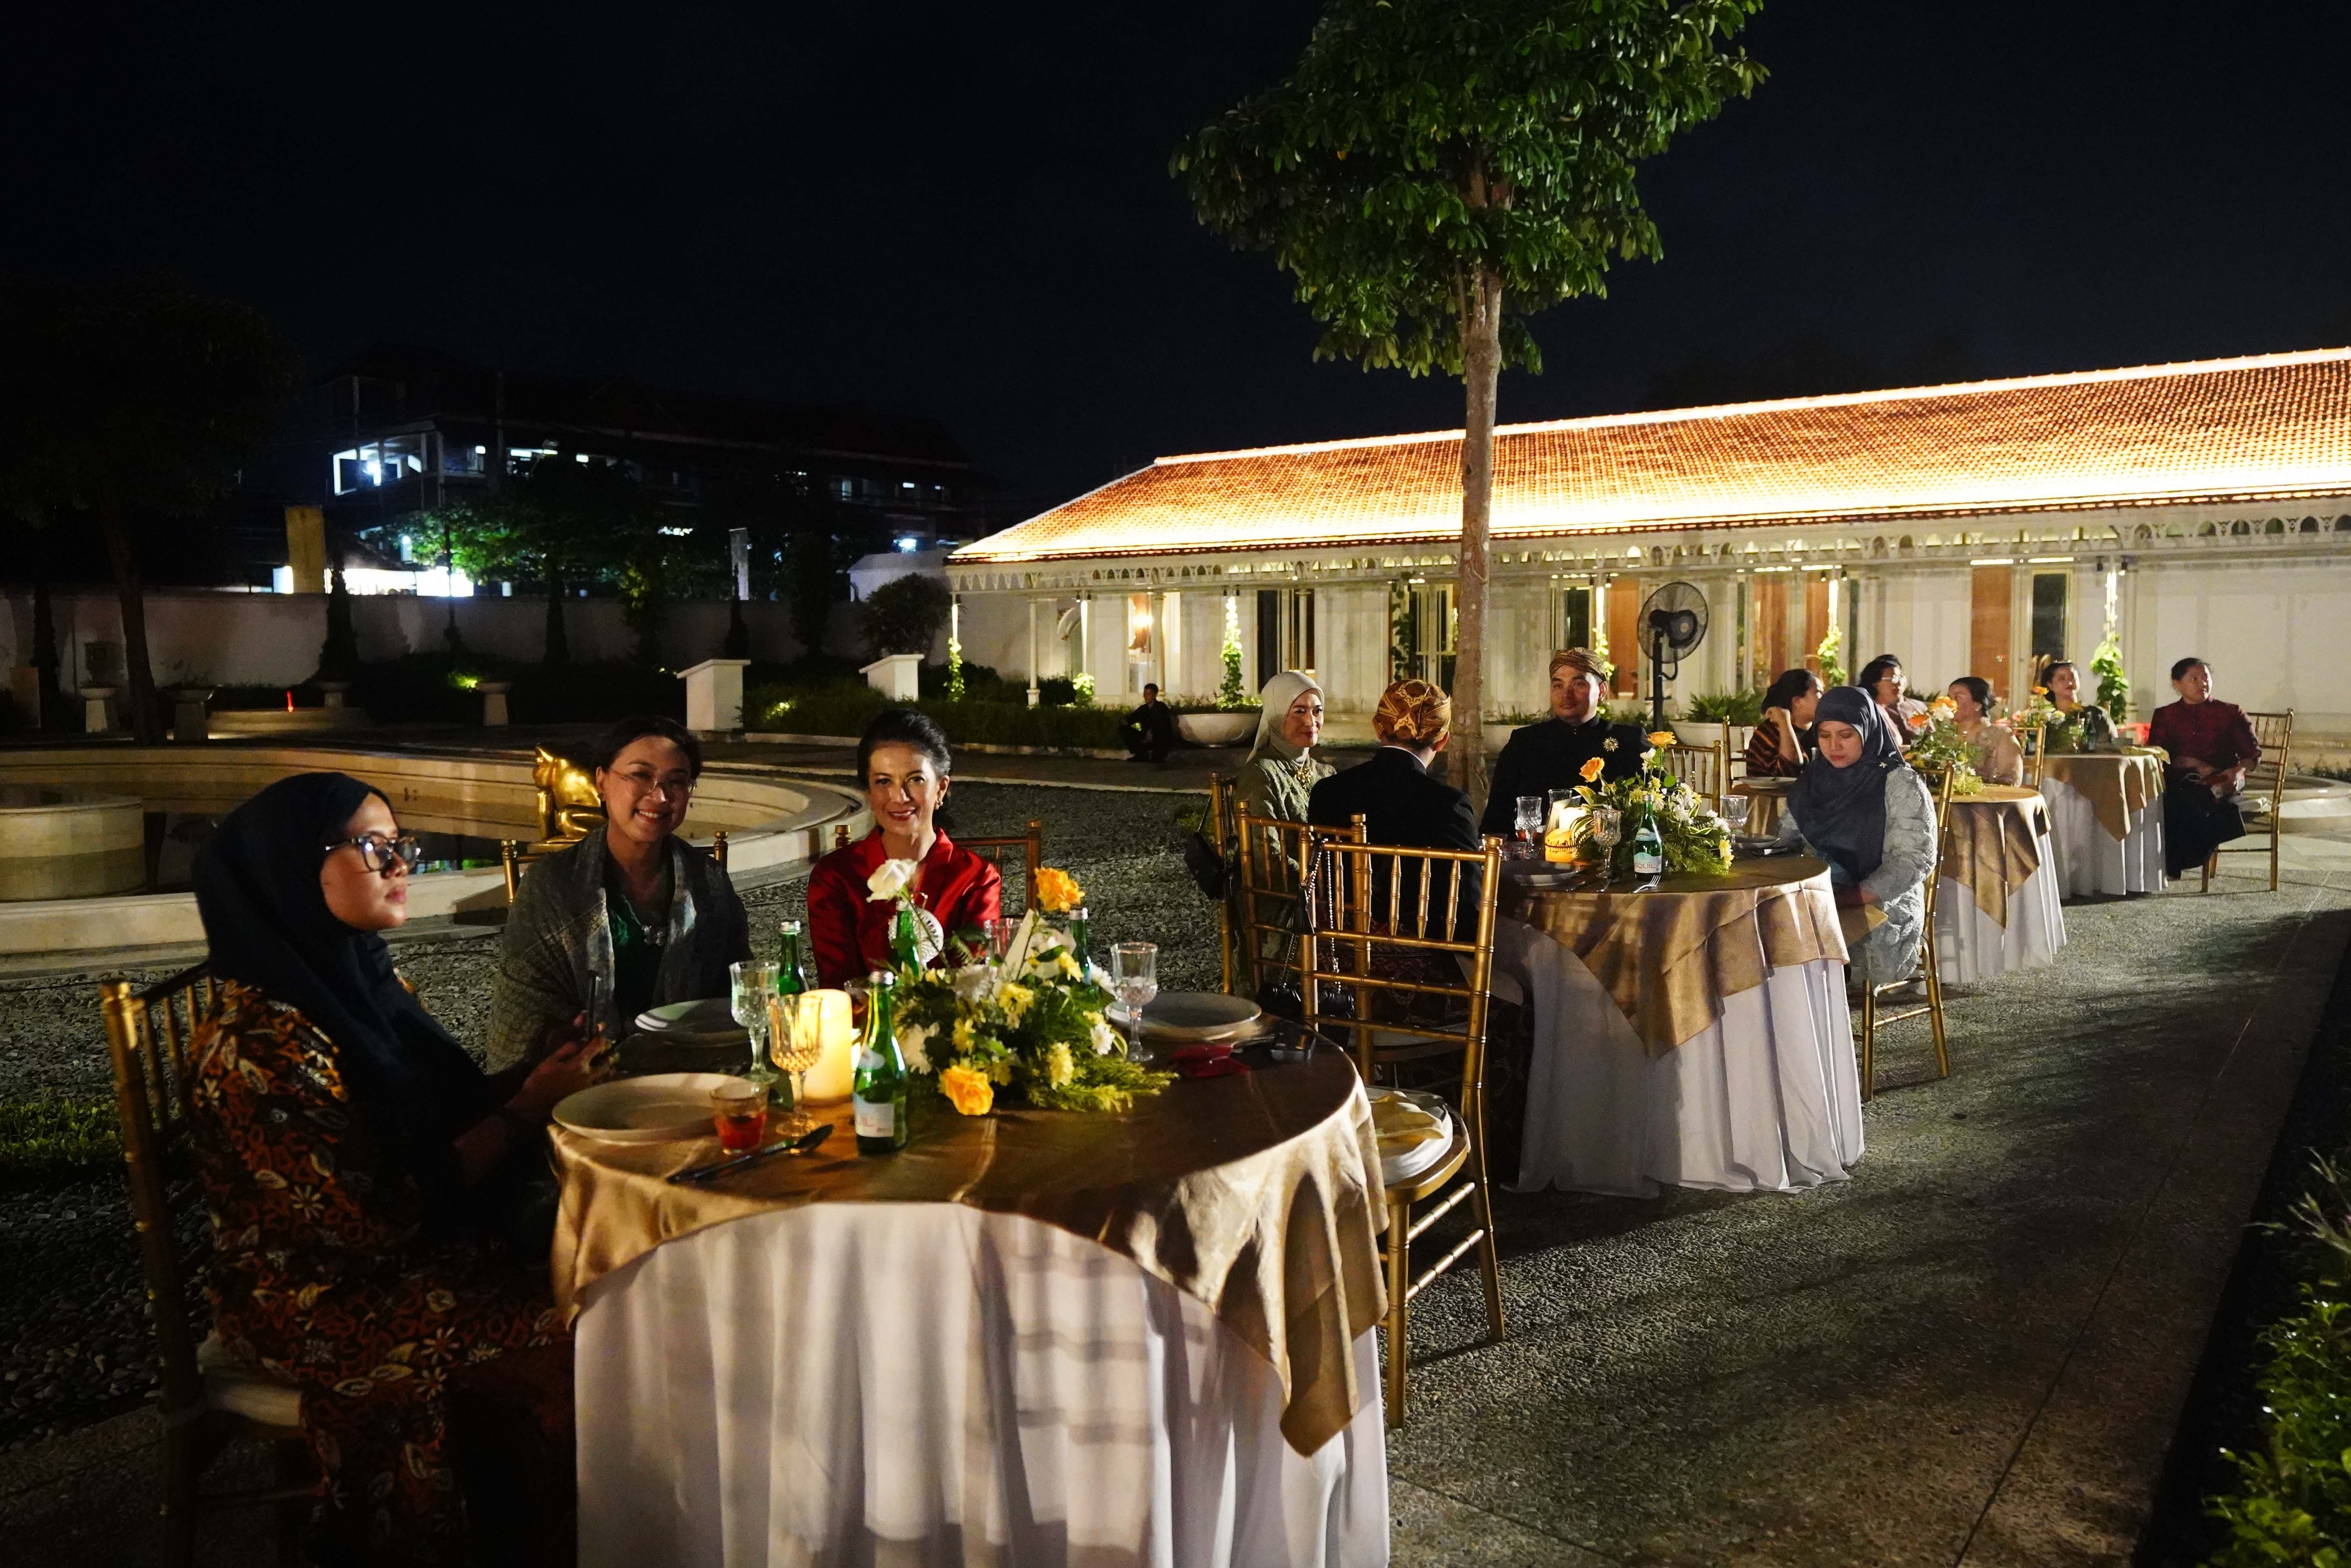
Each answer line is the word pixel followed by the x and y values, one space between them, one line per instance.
pixel 1407 936
pixel 514 856
pixel 2265 779
pixel 1274 856
pixel 1929 959
pixel 1029 848
pixel 1222 829
pixel 148 1034
pixel 1704 769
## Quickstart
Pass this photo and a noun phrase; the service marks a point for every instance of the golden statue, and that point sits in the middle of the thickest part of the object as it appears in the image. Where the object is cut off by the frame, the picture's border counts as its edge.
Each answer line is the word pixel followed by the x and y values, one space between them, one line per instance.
pixel 569 806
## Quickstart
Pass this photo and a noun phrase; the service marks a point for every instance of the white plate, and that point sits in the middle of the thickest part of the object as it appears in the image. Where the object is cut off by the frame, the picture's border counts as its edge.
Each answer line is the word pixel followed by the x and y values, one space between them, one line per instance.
pixel 660 1107
pixel 1186 1018
pixel 1420 1156
pixel 711 1019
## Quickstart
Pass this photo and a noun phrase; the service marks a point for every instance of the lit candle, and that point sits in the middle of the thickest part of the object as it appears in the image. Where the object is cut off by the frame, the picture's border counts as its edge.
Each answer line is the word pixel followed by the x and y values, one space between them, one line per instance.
pixel 1561 832
pixel 829 1079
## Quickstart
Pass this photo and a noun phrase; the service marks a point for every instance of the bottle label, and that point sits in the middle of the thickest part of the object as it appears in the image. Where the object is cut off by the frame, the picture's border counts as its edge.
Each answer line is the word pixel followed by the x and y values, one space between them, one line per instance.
pixel 877 1120
pixel 1647 862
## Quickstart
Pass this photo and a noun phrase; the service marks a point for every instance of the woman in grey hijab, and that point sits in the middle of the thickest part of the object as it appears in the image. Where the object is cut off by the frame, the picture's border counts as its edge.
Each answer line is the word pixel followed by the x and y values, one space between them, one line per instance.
pixel 1858 806
pixel 1281 771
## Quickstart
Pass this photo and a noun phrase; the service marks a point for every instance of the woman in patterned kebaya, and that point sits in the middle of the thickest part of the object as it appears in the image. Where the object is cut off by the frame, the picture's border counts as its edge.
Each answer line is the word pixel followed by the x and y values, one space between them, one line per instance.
pixel 363 1174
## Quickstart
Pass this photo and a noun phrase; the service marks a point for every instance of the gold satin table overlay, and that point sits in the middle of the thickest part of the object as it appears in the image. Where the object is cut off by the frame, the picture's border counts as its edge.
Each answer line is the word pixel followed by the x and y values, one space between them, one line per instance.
pixel 1258 1195
pixel 1995 845
pixel 1668 958
pixel 2121 785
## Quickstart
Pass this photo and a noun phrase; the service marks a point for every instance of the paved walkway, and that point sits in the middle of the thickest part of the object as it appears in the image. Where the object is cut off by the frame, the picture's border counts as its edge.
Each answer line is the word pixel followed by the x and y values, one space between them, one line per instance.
pixel 1973 1352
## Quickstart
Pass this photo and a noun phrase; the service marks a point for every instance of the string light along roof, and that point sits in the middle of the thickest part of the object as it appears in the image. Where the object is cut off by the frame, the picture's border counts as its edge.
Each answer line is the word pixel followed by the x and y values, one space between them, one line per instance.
pixel 2269 426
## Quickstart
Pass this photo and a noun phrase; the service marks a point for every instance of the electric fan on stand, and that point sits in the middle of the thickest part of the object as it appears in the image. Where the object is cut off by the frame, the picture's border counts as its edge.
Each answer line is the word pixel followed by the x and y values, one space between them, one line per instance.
pixel 1672 622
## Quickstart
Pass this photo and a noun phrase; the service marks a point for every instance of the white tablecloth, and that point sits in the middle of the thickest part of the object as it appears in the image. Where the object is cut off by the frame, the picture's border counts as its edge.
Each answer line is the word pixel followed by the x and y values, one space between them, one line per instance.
pixel 1767 1099
pixel 907 1383
pixel 1970 946
pixel 2091 860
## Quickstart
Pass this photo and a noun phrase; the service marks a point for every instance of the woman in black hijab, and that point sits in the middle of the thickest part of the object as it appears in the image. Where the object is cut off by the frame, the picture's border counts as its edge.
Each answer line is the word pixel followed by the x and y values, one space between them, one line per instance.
pixel 359 1167
pixel 1858 806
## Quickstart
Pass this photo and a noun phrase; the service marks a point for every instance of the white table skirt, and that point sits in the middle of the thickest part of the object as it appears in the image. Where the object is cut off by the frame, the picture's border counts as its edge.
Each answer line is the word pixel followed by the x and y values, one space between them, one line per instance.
pixel 1971 947
pixel 905 1384
pixel 2089 859
pixel 1766 1098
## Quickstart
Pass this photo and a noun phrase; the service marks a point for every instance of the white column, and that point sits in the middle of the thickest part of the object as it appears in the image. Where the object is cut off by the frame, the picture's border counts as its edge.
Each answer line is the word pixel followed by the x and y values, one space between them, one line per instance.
pixel 1032 653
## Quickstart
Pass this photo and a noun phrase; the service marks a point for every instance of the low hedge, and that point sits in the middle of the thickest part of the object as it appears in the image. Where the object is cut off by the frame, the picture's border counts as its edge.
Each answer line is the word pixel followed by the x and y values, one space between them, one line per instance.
pixel 842 708
pixel 44 1141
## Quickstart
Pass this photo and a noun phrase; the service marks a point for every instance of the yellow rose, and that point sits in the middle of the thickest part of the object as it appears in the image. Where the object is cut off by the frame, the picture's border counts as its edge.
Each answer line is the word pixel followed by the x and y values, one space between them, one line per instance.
pixel 969 1093
pixel 2041 691
pixel 1591 770
pixel 1058 891
pixel 1661 737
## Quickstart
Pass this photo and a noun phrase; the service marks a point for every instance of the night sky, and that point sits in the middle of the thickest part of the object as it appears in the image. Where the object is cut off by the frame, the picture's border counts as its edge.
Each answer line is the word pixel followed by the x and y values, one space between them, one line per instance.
pixel 965 211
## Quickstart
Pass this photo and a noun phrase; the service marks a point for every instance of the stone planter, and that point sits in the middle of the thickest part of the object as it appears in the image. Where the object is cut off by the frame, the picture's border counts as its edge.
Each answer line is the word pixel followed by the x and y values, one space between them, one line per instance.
pixel 1697 732
pixel 1216 728
pixel 188 717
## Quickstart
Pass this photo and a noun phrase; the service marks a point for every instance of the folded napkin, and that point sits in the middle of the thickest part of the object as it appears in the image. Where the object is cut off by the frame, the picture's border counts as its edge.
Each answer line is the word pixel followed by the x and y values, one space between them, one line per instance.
pixel 1401 1125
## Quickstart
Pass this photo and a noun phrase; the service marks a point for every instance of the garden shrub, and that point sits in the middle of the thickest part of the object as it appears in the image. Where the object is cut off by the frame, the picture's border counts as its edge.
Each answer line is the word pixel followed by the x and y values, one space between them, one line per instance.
pixel 841 708
pixel 49 1140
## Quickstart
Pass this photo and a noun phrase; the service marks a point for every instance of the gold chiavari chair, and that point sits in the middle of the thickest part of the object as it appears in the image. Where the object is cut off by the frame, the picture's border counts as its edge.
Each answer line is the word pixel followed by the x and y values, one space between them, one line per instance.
pixel 2265 779
pixel 1704 769
pixel 1222 828
pixel 208 1401
pixel 1872 992
pixel 514 856
pixel 1421 985
pixel 1273 860
pixel 1029 847
pixel 2035 739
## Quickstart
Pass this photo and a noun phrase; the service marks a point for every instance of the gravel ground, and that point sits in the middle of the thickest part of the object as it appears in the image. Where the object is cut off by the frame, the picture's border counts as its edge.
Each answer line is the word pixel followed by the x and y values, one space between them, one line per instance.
pixel 75 1339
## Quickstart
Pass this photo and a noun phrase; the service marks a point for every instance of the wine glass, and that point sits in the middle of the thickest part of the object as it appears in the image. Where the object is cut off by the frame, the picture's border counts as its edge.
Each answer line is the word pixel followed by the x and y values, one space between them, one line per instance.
pixel 1733 812
pixel 751 984
pixel 796 1043
pixel 1603 826
pixel 1528 820
pixel 1000 937
pixel 1134 981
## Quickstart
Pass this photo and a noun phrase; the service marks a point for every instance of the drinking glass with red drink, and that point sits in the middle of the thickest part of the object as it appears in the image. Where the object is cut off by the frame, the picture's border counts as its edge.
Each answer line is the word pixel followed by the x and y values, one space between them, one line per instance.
pixel 739 1110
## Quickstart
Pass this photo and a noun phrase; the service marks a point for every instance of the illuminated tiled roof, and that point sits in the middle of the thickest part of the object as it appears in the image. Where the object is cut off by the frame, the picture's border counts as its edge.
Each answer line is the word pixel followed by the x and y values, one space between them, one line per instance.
pixel 2274 425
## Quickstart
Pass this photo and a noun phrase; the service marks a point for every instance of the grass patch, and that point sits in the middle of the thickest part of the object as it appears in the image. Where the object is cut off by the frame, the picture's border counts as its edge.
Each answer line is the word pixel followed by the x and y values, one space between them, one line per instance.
pixel 44 1141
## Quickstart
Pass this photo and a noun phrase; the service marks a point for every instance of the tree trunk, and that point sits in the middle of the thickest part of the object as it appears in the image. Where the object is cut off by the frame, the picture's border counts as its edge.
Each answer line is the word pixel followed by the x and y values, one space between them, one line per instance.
pixel 559 644
pixel 1481 368
pixel 141 706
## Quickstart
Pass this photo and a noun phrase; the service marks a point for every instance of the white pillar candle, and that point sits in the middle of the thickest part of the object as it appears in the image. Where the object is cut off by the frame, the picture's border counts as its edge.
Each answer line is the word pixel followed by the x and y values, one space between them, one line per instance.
pixel 829 1080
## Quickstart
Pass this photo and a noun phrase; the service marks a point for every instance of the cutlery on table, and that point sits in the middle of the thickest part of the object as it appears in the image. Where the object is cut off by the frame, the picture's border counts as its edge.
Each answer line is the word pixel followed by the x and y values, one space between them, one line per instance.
pixel 799 1146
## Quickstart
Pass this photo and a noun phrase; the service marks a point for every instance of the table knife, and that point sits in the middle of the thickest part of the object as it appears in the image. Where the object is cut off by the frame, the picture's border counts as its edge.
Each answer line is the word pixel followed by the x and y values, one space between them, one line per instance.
pixel 799 1146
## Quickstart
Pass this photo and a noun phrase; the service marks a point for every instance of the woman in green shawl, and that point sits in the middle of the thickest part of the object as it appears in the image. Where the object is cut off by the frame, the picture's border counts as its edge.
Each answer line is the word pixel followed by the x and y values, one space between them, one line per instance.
pixel 1280 772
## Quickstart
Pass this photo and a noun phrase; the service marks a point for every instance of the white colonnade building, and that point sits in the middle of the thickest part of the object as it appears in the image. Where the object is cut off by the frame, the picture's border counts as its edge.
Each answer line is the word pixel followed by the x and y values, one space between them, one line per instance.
pixel 2194 508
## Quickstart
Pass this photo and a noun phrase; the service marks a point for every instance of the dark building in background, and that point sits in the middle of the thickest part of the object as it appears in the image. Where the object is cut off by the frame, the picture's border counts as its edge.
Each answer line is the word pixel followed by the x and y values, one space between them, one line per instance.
pixel 398 431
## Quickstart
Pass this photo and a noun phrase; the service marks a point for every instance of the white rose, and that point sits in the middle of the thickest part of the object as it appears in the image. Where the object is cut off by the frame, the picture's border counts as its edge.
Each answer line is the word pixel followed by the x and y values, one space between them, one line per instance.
pixel 1105 1039
pixel 914 1045
pixel 889 879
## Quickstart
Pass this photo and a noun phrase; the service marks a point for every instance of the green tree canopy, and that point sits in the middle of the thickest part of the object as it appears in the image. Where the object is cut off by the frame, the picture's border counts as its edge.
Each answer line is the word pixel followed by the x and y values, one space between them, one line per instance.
pixel 567 524
pixel 137 395
pixel 1434 172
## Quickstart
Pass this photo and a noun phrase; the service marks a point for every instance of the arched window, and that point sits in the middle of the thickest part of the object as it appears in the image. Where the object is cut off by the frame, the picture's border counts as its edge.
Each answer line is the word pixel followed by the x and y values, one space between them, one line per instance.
pixel 2275 526
pixel 2310 525
pixel 2240 528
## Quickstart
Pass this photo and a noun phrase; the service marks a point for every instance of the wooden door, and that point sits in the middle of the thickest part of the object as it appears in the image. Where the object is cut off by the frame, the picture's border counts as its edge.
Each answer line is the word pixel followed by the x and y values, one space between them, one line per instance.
pixel 1624 634
pixel 1989 628
pixel 1816 624
pixel 1771 627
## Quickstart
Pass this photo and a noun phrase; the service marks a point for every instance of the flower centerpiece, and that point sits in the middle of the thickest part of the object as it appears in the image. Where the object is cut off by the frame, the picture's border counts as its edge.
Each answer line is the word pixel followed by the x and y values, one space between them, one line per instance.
pixel 1696 839
pixel 1936 746
pixel 2059 731
pixel 1031 1023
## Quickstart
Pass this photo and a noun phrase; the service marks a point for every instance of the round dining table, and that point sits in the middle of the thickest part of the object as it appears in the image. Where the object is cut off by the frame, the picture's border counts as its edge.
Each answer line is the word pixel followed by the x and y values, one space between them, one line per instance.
pixel 2106 820
pixel 1998 907
pixel 1692 1033
pixel 1031 1336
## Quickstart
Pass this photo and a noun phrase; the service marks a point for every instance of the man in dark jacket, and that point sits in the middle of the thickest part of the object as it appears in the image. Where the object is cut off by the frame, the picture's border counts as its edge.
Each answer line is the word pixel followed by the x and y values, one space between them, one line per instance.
pixel 1150 730
pixel 1403 803
pixel 1550 754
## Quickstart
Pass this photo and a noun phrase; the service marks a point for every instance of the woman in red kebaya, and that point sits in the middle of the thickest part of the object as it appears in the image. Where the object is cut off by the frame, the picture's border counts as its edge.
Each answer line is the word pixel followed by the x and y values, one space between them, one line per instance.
pixel 2211 744
pixel 903 760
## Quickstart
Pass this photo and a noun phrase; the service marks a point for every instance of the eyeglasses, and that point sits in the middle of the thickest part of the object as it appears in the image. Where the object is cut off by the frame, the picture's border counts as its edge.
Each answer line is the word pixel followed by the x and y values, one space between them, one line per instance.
pixel 381 854
pixel 680 785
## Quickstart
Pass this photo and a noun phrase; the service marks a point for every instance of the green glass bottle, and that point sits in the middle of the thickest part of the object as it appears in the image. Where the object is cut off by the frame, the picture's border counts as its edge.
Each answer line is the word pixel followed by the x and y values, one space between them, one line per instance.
pixel 791 962
pixel 905 947
pixel 878 1093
